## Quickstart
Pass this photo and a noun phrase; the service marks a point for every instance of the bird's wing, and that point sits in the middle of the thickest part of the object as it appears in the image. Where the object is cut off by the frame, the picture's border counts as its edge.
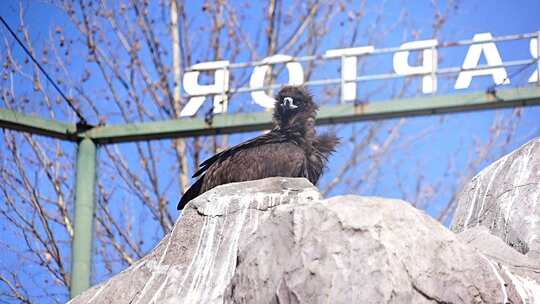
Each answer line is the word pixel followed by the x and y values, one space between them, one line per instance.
pixel 267 138
pixel 197 187
pixel 255 162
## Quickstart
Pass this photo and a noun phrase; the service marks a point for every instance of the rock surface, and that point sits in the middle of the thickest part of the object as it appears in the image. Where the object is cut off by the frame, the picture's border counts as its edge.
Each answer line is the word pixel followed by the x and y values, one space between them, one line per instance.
pixel 354 249
pixel 523 272
pixel 505 198
pixel 195 262
pixel 277 241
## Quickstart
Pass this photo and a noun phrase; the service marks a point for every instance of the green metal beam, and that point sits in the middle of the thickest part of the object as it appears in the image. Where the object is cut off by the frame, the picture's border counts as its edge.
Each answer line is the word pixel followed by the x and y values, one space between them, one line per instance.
pixel 429 105
pixel 233 123
pixel 184 127
pixel 84 213
pixel 26 123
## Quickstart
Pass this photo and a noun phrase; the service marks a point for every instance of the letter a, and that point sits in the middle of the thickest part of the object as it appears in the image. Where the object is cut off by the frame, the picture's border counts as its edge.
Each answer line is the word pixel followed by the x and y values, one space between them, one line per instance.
pixel 473 58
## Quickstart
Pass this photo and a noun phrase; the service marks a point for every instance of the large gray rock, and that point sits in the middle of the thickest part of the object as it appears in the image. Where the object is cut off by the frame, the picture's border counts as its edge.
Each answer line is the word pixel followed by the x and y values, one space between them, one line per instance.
pixel 277 241
pixel 353 249
pixel 195 262
pixel 505 198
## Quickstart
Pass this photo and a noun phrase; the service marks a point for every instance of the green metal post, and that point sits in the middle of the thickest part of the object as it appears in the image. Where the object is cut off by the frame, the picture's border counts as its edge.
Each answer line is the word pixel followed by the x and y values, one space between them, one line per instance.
pixel 84 216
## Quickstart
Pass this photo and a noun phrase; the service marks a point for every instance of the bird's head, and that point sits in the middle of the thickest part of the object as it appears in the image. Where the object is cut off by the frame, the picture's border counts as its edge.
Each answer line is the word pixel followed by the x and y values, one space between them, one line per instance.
pixel 294 106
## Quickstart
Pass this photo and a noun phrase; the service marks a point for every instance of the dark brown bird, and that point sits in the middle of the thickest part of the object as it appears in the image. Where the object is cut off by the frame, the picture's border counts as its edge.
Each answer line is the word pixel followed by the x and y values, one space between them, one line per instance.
pixel 290 149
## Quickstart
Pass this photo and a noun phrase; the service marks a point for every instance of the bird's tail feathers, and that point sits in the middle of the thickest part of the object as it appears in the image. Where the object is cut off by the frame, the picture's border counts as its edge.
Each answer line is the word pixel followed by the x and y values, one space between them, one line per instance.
pixel 326 144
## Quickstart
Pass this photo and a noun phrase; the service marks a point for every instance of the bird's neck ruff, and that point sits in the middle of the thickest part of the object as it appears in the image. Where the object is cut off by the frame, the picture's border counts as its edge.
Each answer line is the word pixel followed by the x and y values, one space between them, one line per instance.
pixel 299 129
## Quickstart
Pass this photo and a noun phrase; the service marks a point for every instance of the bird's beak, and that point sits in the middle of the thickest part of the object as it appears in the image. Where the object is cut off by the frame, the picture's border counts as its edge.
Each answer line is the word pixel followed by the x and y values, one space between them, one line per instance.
pixel 288 102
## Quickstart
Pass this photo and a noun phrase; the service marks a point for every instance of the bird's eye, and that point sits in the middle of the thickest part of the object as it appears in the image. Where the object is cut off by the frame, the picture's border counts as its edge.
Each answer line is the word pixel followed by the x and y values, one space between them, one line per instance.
pixel 288 99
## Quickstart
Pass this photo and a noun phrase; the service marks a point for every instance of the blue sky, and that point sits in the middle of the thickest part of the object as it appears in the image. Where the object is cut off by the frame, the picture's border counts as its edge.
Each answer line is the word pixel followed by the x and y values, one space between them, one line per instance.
pixel 452 137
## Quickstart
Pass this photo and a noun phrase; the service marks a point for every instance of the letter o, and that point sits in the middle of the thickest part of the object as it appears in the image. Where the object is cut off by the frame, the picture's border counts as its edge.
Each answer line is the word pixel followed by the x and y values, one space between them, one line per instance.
pixel 296 77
